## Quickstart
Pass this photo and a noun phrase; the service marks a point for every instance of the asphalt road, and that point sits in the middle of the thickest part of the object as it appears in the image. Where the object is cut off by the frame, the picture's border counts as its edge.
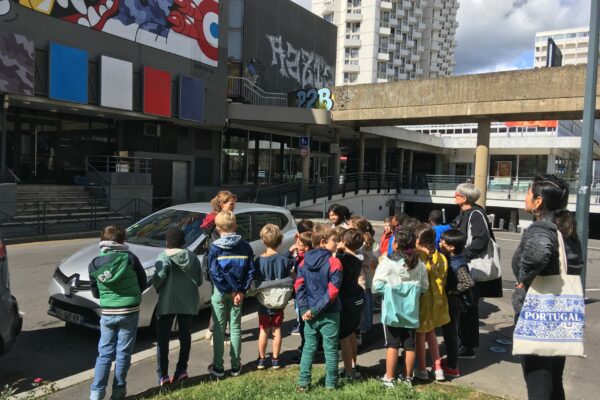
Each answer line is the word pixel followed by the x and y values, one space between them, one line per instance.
pixel 48 349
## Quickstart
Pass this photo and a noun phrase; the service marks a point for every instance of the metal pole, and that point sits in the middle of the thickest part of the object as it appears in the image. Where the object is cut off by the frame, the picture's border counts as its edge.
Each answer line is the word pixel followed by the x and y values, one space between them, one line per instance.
pixel 587 138
pixel 3 144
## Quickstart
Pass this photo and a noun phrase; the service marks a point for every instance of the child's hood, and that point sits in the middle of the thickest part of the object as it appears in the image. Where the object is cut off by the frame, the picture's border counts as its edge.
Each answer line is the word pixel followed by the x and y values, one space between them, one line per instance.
pixel 316 259
pixel 180 258
pixel 456 262
pixel 227 241
pixel 399 266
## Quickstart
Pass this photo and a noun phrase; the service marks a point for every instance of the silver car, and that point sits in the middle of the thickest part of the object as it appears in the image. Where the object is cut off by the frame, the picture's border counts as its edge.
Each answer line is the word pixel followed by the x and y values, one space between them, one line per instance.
pixel 71 299
pixel 11 320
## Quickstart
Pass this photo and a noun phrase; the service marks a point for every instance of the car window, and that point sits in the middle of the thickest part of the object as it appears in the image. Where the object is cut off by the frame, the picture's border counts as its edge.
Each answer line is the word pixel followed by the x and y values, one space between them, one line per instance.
pixel 151 230
pixel 263 218
pixel 244 226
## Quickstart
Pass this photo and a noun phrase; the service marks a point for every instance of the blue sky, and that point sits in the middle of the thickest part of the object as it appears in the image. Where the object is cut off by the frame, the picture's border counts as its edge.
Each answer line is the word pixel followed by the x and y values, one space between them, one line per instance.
pixel 499 35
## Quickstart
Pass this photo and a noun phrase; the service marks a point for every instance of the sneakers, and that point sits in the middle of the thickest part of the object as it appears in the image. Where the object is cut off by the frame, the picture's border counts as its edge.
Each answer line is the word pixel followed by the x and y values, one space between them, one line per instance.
pixel 164 381
pixel 217 372
pixel 407 381
pixel 179 376
pixel 389 383
pixel 439 375
pixel 275 363
pixel 301 389
pixel 466 352
pixel 295 331
pixel 261 363
pixel 235 371
pixel 450 373
pixel 422 374
pixel 208 335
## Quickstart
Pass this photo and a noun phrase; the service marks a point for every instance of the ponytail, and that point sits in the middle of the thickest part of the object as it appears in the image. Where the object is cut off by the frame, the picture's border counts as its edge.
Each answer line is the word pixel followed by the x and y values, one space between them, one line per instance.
pixel 566 223
pixel 405 243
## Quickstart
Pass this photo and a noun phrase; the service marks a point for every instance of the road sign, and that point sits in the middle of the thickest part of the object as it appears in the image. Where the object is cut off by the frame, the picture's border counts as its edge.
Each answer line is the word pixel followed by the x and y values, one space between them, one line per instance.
pixel 304 141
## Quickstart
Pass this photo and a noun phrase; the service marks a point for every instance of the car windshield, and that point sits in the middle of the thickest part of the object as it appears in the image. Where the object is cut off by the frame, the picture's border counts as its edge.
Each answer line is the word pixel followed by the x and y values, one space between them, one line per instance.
pixel 151 230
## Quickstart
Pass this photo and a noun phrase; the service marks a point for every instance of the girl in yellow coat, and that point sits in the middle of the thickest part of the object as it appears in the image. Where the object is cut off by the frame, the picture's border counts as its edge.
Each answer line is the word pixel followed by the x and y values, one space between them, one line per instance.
pixel 433 310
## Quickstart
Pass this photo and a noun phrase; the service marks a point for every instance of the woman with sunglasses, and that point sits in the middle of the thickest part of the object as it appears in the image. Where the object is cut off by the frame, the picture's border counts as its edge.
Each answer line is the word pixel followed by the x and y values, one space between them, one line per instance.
pixel 538 254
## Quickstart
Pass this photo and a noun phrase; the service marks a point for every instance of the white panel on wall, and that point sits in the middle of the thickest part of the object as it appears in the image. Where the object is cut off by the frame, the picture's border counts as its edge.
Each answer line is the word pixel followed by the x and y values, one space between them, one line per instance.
pixel 116 83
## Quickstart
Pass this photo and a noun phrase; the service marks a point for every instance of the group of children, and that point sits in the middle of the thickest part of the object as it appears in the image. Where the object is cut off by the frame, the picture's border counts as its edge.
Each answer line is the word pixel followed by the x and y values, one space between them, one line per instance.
pixel 332 269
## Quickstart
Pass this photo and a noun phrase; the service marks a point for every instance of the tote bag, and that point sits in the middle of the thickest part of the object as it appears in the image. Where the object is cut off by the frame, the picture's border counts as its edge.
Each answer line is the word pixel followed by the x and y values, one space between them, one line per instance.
pixel 486 267
pixel 552 319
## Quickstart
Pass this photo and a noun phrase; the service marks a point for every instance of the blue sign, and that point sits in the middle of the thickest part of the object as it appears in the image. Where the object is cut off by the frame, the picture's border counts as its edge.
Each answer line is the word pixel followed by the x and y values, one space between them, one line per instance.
pixel 68 74
pixel 304 141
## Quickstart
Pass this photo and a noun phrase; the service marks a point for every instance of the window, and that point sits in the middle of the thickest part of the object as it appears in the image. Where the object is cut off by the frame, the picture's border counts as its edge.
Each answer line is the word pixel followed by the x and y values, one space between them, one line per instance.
pixel 151 231
pixel 328 18
pixel 583 34
pixel 570 35
pixel 236 20
pixel 353 30
pixel 351 56
pixel 350 77
pixel 263 218
pixel 244 226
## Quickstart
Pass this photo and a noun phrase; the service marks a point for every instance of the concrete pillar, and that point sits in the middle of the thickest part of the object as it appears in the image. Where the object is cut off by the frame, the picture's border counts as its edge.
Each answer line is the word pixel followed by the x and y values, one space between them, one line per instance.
pixel 382 160
pixel 551 166
pixel 361 153
pixel 482 159
pixel 306 161
pixel 401 166
pixel 336 156
pixel 410 167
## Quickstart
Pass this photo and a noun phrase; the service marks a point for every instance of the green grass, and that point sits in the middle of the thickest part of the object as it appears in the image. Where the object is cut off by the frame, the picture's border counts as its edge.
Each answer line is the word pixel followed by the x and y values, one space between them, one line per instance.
pixel 274 385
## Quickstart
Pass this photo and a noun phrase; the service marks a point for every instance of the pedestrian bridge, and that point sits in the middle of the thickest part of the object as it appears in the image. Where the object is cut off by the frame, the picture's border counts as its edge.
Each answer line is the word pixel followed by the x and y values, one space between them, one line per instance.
pixel 535 94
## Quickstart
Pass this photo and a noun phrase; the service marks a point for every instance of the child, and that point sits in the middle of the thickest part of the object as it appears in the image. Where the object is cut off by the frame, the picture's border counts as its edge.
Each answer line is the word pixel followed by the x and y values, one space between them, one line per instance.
pixel 303 245
pixel 297 254
pixel 437 223
pixel 458 287
pixel 401 278
pixel 385 237
pixel 231 270
pixel 433 307
pixel 176 279
pixel 271 267
pixel 317 287
pixel 365 279
pixel 352 297
pixel 118 279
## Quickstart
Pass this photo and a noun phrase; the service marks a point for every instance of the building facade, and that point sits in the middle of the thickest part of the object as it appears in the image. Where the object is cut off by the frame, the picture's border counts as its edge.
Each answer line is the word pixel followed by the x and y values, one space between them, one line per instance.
pixel 384 41
pixel 572 42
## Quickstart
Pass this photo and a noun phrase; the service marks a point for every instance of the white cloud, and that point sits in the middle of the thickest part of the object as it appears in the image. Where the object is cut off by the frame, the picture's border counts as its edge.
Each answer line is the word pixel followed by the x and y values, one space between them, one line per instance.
pixel 303 3
pixel 499 35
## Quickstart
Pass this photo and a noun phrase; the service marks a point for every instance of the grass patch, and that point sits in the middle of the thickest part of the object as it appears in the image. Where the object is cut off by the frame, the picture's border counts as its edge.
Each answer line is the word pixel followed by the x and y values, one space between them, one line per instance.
pixel 281 384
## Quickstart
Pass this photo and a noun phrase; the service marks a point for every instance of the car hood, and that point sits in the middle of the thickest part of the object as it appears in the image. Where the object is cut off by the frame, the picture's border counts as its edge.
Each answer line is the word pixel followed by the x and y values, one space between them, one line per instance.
pixel 78 262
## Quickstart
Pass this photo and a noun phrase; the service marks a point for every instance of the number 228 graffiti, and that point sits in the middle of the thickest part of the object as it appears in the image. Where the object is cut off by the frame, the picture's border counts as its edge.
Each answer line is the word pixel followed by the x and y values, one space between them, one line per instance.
pixel 314 98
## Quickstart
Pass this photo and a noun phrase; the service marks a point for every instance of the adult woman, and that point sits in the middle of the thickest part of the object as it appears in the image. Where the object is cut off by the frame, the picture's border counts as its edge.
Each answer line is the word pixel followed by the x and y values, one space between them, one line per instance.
pixel 538 254
pixel 339 215
pixel 472 221
pixel 223 201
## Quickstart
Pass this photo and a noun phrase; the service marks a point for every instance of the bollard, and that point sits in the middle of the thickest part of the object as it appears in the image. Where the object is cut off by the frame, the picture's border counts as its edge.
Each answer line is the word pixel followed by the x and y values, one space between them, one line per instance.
pixel 443 216
pixel 501 223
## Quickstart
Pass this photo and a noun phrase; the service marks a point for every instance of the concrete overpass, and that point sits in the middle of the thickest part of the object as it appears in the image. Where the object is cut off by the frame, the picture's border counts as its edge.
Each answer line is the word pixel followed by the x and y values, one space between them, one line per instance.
pixel 536 94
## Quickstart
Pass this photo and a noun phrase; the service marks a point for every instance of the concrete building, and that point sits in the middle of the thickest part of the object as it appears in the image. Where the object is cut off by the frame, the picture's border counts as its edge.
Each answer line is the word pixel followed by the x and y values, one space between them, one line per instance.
pixel 384 41
pixel 573 44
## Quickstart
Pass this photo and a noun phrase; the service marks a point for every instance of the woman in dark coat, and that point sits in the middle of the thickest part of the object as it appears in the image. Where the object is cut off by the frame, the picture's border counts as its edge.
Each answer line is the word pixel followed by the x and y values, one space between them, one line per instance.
pixel 472 221
pixel 538 254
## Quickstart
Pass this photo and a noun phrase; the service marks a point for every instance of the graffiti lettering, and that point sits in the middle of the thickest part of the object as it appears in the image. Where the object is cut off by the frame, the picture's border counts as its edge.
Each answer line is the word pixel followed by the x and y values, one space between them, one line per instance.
pixel 314 98
pixel 305 67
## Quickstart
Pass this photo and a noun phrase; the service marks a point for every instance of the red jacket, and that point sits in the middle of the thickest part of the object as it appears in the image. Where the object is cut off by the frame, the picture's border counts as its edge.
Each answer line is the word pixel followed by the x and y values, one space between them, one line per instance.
pixel 385 241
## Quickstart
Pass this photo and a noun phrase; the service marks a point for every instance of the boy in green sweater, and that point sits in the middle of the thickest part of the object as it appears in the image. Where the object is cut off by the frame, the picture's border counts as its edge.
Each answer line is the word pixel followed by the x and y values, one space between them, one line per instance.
pixel 176 279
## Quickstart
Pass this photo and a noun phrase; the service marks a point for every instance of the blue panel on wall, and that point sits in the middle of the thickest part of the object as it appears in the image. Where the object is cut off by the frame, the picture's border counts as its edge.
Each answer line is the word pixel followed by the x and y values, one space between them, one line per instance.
pixel 68 73
pixel 191 98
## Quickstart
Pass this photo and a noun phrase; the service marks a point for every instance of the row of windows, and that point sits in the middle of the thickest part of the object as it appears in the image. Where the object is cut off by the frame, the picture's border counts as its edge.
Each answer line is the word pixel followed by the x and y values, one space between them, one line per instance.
pixel 562 36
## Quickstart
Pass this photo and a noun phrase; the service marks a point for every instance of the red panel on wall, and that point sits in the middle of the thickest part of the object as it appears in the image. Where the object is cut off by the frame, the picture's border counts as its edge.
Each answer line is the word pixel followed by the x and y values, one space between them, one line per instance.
pixel 157 92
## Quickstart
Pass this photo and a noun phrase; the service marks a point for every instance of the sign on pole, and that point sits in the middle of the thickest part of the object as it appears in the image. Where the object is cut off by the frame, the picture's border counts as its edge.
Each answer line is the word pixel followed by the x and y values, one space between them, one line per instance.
pixel 304 141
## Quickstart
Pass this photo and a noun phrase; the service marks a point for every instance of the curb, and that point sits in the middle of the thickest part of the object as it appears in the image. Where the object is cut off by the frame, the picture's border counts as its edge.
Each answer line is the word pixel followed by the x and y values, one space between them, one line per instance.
pixel 51 237
pixel 135 358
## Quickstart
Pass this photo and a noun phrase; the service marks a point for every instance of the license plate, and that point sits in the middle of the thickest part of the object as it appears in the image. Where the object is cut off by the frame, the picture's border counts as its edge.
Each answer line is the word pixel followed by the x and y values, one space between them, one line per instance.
pixel 69 316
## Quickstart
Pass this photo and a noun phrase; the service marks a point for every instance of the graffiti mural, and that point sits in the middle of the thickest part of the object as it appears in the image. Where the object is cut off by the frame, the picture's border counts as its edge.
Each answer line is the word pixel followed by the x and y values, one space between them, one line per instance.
pixel 16 64
pixel 188 28
pixel 305 67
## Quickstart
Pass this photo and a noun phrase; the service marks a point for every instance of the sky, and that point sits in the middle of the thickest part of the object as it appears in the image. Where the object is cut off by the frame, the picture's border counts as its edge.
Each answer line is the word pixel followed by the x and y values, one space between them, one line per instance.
pixel 499 35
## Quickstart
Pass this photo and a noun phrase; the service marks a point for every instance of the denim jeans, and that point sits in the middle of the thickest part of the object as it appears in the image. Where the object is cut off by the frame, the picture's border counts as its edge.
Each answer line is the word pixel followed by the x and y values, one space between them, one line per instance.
pixel 117 340
pixel 366 320
pixel 164 323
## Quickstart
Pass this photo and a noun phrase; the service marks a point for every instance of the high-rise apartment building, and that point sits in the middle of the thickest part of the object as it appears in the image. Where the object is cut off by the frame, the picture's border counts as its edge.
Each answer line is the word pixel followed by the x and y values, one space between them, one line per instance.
pixel 383 41
pixel 573 43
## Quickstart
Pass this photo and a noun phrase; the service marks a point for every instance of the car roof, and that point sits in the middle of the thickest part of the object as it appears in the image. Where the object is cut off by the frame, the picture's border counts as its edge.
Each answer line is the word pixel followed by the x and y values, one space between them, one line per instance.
pixel 239 207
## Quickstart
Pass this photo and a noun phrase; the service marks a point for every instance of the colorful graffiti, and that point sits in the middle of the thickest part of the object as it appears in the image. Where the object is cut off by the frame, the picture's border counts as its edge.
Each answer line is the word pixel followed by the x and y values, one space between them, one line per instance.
pixel 305 67
pixel 16 64
pixel 188 28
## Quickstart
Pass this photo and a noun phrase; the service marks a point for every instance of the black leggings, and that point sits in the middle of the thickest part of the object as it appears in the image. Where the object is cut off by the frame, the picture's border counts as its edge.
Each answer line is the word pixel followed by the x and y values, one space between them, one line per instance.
pixel 543 376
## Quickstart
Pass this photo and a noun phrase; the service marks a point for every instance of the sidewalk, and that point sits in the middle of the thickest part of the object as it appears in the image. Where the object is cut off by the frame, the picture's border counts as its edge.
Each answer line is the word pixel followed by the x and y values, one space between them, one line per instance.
pixel 496 373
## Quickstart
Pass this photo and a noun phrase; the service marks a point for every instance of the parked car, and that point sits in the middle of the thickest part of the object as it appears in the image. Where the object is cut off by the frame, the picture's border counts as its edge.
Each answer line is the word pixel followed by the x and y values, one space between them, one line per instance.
pixel 11 319
pixel 71 299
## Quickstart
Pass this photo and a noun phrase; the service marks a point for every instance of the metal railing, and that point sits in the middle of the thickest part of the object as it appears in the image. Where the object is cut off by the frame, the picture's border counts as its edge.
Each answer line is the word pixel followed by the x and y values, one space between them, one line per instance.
pixel 249 92
pixel 103 164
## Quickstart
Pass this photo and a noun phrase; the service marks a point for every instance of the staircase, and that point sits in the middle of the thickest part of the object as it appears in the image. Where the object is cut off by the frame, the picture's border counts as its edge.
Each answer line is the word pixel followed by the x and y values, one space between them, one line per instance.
pixel 48 209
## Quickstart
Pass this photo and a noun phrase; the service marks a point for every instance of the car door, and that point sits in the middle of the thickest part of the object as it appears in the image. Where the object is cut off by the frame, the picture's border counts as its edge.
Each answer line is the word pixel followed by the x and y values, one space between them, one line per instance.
pixel 262 218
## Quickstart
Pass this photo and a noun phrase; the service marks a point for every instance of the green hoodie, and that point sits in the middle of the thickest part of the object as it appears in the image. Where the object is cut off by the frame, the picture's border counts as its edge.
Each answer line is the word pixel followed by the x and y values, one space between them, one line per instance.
pixel 117 281
pixel 177 277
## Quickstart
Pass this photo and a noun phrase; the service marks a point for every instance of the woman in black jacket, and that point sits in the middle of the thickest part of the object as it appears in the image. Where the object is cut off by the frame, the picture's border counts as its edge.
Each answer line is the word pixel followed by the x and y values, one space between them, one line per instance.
pixel 538 254
pixel 472 222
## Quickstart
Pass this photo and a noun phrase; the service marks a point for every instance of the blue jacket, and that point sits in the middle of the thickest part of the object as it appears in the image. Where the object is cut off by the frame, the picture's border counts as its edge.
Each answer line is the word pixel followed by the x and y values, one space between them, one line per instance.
pixel 439 229
pixel 318 283
pixel 230 261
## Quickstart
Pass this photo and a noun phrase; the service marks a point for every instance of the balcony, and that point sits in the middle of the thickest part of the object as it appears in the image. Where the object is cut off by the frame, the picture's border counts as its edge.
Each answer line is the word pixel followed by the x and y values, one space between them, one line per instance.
pixel 381 80
pixel 405 28
pixel 435 46
pixel 393 21
pixel 419 71
pixel 437 4
pixel 402 76
pixel 445 12
pixel 415 57
pixel 410 43
pixel 354 16
pixel 434 68
pixel 417 35
pixel 409 67
pixel 400 13
pixel 386 6
pixel 412 20
pixel 352 42
pixel 418 12
pixel 423 3
pixel 384 30
pixel 436 25
pixel 406 4
pixel 404 52
pixel 421 26
pixel 351 68
pixel 398 62
pixel 391 72
pixel 328 8
pixel 383 55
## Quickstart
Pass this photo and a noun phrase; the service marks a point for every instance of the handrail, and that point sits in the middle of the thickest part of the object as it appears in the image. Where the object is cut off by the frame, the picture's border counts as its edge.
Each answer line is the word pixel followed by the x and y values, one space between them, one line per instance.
pixel 17 180
pixel 243 87
pixel 90 166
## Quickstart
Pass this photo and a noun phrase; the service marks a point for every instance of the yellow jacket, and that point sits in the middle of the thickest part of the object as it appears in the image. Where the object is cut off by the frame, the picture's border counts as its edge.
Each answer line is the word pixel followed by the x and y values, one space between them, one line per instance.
pixel 433 310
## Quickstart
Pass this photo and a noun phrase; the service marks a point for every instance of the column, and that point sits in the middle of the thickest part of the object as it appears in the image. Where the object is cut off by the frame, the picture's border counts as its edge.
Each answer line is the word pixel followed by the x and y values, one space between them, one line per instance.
pixel 551 166
pixel 361 154
pixel 336 156
pixel 401 167
pixel 306 161
pixel 410 168
pixel 482 159
pixel 382 160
